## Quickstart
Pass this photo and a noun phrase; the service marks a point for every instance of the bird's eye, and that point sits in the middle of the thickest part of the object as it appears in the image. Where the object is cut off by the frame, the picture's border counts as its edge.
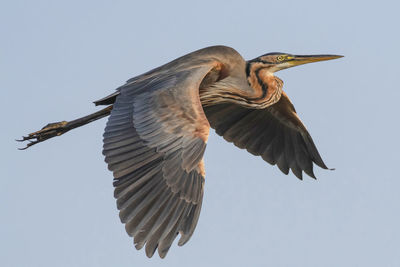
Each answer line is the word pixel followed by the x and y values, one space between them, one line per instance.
pixel 281 58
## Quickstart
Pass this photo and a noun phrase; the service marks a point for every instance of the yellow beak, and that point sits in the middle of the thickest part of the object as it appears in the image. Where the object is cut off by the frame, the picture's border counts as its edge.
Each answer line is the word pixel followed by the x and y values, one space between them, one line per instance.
pixel 300 60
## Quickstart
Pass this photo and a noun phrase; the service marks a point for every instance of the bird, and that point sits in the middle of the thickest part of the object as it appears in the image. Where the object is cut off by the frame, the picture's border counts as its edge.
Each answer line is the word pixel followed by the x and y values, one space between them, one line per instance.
pixel 158 128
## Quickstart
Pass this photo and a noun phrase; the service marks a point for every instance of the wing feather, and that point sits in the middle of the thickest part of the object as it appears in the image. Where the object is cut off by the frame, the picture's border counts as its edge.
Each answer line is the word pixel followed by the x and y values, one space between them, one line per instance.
pixel 275 133
pixel 154 143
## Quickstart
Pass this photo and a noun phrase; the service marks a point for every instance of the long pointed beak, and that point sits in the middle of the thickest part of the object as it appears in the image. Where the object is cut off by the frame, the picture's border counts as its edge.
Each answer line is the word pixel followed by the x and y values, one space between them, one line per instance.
pixel 300 60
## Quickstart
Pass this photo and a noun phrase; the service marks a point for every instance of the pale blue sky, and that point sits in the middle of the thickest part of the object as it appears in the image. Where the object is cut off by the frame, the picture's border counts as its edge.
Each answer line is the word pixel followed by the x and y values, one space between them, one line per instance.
pixel 56 199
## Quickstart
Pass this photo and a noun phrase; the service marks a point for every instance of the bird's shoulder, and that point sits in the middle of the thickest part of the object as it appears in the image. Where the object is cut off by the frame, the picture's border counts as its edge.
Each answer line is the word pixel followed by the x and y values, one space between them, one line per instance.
pixel 221 54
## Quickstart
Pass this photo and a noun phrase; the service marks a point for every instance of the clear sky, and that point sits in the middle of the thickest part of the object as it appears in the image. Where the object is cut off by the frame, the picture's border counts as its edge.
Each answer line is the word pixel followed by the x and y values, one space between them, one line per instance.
pixel 56 199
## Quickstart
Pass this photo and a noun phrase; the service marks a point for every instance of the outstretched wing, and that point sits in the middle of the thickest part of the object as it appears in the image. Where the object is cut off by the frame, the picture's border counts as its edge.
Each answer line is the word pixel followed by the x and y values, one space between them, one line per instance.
pixel 275 133
pixel 154 143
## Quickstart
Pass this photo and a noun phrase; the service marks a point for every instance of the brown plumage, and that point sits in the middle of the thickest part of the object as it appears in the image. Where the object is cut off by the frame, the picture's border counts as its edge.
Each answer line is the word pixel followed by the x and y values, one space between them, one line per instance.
pixel 158 128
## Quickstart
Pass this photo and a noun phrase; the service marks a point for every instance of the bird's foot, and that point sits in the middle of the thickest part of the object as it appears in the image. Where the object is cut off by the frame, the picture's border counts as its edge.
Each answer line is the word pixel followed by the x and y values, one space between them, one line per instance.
pixel 47 132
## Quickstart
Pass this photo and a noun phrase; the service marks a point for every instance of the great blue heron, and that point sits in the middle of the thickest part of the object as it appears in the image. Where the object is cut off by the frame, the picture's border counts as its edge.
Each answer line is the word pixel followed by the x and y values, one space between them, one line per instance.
pixel 158 128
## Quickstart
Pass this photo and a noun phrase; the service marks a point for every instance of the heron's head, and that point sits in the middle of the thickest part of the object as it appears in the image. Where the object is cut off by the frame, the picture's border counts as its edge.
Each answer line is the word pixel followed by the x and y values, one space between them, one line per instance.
pixel 279 61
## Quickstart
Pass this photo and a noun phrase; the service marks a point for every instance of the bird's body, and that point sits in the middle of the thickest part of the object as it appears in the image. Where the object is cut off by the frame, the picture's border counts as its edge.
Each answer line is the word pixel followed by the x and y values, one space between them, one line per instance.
pixel 158 129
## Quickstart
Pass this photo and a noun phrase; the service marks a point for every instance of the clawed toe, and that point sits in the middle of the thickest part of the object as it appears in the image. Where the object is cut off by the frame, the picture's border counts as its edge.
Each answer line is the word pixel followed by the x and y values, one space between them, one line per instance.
pixel 48 131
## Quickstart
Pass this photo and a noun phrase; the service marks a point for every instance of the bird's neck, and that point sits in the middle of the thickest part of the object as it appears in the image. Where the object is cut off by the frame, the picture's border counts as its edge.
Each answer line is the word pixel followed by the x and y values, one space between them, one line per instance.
pixel 261 78
pixel 263 89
